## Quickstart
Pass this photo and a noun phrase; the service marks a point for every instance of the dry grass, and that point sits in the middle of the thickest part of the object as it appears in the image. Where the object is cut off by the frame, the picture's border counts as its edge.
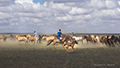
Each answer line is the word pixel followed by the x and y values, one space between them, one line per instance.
pixel 18 55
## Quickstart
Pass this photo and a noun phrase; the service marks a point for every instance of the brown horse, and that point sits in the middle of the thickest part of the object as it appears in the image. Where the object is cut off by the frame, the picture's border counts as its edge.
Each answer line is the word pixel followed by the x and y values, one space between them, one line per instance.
pixel 88 38
pixel 32 38
pixel 107 40
pixel 3 38
pixel 71 44
pixel 12 37
pixel 55 40
pixel 21 39
pixel 48 38
pixel 94 39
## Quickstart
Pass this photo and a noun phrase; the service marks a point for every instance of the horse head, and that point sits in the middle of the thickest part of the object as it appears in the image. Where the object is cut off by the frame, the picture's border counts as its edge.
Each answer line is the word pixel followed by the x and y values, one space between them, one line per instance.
pixel 76 42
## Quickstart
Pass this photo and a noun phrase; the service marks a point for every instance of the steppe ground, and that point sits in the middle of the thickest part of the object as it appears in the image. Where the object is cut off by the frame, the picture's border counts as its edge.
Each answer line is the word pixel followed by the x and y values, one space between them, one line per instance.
pixel 18 55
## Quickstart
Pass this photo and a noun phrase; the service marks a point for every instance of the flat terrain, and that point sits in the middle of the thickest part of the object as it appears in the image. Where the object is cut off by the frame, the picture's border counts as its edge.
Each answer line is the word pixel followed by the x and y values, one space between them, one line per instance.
pixel 18 55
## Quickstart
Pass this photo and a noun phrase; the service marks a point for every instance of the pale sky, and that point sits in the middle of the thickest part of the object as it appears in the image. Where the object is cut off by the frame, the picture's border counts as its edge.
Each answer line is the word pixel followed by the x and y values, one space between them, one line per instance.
pixel 47 16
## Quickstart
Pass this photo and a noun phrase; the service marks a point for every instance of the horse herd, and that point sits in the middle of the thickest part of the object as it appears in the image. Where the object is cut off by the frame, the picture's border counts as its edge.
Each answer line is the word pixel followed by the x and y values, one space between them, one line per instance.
pixel 108 40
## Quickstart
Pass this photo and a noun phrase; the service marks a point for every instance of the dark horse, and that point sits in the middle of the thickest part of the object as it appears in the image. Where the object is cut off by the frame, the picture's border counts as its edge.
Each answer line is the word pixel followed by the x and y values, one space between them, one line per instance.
pixel 115 39
pixel 55 40
pixel 109 41
pixel 88 38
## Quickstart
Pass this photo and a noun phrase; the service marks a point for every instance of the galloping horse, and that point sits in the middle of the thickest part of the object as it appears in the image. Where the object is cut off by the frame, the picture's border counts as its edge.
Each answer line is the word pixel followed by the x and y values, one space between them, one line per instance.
pixel 95 39
pixel 88 38
pixel 32 38
pixel 78 38
pixel 71 44
pixel 55 40
pixel 21 38
pixel 108 40
pixel 3 38
pixel 12 37
pixel 115 39
pixel 48 38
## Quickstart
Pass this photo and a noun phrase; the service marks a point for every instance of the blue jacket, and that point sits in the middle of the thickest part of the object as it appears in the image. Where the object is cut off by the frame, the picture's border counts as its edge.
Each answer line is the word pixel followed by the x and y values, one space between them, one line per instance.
pixel 35 34
pixel 59 33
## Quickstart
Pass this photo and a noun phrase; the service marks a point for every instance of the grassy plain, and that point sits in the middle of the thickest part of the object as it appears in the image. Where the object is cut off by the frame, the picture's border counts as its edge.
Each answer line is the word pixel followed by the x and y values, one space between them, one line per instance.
pixel 18 55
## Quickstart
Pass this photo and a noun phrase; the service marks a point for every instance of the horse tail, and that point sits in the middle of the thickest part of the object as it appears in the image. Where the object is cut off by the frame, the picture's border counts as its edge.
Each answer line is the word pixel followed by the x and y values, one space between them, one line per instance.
pixel 49 42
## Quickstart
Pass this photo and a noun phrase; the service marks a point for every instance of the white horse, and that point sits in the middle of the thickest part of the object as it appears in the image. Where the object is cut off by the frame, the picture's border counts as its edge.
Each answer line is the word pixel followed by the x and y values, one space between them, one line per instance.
pixel 78 38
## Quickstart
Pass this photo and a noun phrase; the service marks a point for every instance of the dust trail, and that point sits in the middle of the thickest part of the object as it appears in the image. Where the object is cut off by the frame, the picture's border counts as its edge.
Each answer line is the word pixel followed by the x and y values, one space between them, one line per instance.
pixel 14 44
pixel 89 45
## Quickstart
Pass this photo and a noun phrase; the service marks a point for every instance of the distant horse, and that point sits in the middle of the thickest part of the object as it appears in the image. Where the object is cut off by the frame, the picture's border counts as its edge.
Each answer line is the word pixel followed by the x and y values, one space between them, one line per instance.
pixel 110 41
pixel 39 39
pixel 71 44
pixel 32 38
pixel 101 39
pixel 12 37
pixel 55 40
pixel 48 38
pixel 21 38
pixel 88 38
pixel 115 39
pixel 95 39
pixel 78 38
pixel 107 40
pixel 3 37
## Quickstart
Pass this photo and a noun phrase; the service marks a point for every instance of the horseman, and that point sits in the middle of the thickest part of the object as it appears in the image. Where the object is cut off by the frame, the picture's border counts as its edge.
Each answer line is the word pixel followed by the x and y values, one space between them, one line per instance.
pixel 35 34
pixel 59 33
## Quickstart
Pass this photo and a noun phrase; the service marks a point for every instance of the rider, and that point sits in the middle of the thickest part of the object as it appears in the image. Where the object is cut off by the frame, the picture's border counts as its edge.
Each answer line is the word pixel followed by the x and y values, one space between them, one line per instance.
pixel 35 34
pixel 59 35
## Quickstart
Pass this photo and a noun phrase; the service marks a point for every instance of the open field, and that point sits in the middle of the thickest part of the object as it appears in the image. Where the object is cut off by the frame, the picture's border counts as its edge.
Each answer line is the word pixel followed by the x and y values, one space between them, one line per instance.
pixel 18 55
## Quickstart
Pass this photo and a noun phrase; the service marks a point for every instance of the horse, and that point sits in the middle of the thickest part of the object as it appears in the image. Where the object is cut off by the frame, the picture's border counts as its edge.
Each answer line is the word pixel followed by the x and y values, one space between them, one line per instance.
pixel 12 37
pixel 48 38
pixel 110 41
pixel 55 40
pixel 32 38
pixel 115 39
pixel 101 39
pixel 78 38
pixel 71 44
pixel 107 40
pixel 3 37
pixel 95 39
pixel 21 38
pixel 39 38
pixel 88 38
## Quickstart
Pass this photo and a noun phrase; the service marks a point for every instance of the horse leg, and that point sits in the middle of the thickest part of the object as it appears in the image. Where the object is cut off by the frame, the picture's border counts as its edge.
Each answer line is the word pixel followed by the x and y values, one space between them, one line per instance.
pixel 54 44
pixel 25 42
pixel 112 44
pixel 67 49
pixel 72 48
pixel 106 44
pixel 108 41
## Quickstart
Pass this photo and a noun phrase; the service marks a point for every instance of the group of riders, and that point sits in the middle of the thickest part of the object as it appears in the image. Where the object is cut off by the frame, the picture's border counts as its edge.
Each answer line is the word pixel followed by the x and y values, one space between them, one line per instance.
pixel 59 33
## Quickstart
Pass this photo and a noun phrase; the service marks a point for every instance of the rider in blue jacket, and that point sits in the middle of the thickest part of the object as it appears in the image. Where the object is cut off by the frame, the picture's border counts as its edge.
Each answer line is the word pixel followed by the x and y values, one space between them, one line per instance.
pixel 59 35
pixel 35 34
